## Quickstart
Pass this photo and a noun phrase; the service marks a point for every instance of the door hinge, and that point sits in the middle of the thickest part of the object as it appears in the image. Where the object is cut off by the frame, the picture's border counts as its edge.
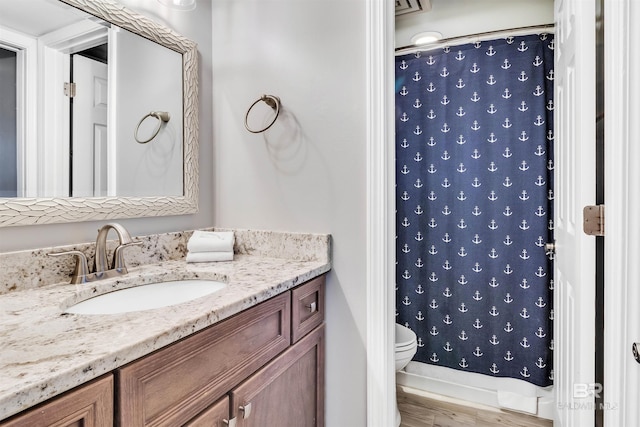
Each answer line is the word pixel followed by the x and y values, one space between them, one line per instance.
pixel 69 89
pixel 550 249
pixel 593 220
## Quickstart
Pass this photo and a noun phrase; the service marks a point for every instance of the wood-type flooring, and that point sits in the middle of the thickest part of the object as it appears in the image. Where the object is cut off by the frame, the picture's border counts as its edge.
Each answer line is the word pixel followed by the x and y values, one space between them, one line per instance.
pixel 421 411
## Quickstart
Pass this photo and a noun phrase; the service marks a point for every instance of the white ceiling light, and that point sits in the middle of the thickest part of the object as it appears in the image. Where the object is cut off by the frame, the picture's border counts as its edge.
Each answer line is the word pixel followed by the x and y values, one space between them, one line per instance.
pixel 426 37
pixel 179 4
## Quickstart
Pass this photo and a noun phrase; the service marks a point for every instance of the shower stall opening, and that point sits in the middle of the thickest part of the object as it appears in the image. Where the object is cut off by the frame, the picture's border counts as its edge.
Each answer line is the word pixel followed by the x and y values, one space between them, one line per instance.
pixel 474 197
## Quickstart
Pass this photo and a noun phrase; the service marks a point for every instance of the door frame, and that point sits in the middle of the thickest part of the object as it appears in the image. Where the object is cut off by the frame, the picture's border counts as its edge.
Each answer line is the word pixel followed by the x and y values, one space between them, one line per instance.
pixel 621 292
pixel 380 289
pixel 622 326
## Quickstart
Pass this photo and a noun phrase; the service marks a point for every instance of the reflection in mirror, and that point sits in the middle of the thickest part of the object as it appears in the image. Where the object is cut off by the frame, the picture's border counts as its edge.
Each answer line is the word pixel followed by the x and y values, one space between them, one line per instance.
pixel 89 136
pixel 8 119
pixel 76 79
pixel 150 73
pixel 84 145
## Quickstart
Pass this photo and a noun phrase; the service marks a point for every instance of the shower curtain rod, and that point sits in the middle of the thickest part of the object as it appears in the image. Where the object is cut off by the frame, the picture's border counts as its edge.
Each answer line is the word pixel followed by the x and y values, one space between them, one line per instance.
pixel 471 38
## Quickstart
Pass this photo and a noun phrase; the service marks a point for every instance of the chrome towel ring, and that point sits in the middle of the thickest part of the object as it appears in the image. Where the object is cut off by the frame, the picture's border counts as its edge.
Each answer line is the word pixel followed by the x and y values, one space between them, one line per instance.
pixel 273 102
pixel 162 117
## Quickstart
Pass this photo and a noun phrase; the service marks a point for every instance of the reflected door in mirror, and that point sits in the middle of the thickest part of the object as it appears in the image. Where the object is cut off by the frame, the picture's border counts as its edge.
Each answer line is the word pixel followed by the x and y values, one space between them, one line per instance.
pixel 89 128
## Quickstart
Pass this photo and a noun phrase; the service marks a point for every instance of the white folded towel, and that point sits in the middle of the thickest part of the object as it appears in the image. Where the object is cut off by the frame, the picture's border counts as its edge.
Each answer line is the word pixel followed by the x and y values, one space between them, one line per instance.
pixel 209 256
pixel 211 241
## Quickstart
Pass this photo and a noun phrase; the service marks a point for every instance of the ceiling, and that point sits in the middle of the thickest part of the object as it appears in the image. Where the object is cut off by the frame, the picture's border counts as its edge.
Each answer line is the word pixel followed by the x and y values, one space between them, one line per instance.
pixel 37 17
pixel 453 18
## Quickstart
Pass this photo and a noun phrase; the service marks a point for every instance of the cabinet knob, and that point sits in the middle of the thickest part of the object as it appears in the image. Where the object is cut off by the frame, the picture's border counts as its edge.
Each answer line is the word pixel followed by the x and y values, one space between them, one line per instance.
pixel 313 307
pixel 246 410
pixel 231 423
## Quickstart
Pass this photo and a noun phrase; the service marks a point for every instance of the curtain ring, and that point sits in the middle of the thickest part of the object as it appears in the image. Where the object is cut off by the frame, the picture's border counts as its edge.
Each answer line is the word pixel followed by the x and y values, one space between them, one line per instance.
pixel 162 117
pixel 273 102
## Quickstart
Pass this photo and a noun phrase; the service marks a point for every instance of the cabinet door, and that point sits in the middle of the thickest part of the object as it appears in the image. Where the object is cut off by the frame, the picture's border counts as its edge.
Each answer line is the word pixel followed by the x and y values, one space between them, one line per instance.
pixel 215 416
pixel 288 392
pixel 90 405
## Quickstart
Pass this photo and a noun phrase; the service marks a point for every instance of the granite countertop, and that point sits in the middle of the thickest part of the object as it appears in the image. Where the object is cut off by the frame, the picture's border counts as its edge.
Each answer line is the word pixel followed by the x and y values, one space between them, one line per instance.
pixel 45 351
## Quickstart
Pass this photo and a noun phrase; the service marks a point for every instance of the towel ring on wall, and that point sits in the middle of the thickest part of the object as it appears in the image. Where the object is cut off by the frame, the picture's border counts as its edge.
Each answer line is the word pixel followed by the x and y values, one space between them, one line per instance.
pixel 273 102
pixel 162 117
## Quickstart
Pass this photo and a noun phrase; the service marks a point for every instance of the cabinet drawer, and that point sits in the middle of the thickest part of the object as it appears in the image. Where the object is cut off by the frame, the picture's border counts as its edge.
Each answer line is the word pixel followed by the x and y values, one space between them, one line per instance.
pixel 174 384
pixel 89 405
pixel 307 311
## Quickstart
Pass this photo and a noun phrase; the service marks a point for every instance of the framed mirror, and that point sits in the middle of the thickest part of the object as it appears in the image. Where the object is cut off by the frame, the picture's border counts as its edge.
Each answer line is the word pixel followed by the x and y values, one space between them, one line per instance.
pixel 98 114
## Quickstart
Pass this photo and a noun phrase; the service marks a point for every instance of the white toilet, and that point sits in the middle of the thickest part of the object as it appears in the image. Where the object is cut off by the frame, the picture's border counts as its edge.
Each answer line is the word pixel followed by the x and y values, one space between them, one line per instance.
pixel 405 348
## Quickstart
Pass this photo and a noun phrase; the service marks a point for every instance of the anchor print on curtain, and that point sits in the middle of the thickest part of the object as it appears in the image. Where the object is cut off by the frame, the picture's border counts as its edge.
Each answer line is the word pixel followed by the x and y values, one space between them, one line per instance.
pixel 474 163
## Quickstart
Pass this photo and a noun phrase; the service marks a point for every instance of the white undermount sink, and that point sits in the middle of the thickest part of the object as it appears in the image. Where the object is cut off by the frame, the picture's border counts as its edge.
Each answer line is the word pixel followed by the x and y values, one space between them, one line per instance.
pixel 146 297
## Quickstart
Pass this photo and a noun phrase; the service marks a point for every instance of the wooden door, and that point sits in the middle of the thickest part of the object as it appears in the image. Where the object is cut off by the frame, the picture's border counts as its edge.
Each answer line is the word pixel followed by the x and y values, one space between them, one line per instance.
pixel 574 294
pixel 288 392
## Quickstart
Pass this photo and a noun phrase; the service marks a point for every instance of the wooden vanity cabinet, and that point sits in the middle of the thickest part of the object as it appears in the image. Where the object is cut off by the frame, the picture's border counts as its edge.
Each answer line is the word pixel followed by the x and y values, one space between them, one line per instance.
pixel 263 367
pixel 242 371
pixel 90 405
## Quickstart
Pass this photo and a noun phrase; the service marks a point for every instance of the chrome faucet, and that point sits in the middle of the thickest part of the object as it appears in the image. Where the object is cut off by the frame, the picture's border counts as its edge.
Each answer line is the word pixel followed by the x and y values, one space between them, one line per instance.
pixel 101 269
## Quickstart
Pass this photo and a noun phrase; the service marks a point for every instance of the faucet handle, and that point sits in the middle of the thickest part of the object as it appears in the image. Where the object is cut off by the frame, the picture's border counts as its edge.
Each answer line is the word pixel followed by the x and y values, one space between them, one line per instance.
pixel 118 257
pixel 81 272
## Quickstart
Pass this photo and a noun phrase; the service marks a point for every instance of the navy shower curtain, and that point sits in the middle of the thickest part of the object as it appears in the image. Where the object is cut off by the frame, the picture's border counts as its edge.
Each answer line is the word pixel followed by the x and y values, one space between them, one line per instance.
pixel 474 144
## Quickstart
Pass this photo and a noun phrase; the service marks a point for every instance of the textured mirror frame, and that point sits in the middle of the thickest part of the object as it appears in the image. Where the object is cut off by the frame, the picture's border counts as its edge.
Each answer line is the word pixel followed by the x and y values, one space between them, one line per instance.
pixel 31 211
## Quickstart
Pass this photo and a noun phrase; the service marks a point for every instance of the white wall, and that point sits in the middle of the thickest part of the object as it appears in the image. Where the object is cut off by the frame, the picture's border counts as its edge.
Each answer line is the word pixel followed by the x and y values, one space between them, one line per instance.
pixel 453 18
pixel 308 173
pixel 195 25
